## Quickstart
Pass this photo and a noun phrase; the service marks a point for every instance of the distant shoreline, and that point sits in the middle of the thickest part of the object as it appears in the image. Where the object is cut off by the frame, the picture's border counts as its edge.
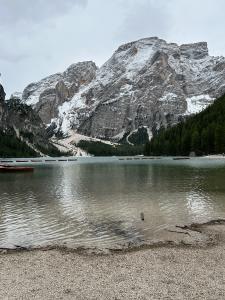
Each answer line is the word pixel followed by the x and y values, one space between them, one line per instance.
pixel 215 156
pixel 76 158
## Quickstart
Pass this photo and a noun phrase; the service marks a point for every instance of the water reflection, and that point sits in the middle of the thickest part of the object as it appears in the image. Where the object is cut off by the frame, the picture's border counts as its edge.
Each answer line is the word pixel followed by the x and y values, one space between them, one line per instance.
pixel 100 204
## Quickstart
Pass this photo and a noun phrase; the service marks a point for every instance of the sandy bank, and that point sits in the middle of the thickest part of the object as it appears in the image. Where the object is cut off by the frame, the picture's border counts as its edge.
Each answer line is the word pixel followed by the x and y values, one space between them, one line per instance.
pixel 179 272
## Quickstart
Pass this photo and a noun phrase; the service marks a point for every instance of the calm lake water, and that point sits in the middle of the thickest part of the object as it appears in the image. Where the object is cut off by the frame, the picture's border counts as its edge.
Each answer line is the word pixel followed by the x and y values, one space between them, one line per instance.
pixel 97 202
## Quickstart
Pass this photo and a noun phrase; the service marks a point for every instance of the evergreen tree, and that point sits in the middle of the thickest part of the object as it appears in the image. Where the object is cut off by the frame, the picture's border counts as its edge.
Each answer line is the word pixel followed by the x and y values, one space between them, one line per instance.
pixel 195 141
pixel 203 133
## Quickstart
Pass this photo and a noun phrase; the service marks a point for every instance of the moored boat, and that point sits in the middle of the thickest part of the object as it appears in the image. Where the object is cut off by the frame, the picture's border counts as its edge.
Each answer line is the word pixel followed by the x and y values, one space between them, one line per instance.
pixel 5 168
pixel 180 158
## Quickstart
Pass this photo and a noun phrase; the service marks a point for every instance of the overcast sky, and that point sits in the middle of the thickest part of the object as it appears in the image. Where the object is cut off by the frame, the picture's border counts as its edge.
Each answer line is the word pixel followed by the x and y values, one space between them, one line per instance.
pixel 41 37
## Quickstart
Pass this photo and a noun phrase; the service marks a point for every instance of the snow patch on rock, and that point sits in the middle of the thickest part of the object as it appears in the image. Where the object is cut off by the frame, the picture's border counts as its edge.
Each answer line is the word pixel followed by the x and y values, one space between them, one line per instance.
pixel 168 97
pixel 34 90
pixel 16 95
pixel 198 103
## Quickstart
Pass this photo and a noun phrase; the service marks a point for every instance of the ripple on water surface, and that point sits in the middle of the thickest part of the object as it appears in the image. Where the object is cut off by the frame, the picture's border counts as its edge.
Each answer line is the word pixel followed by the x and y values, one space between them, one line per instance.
pixel 99 204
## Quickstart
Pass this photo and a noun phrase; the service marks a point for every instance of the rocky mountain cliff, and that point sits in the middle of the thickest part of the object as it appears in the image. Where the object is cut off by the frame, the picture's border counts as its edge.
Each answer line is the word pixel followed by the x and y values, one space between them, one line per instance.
pixel 147 83
pixel 20 121
pixel 47 95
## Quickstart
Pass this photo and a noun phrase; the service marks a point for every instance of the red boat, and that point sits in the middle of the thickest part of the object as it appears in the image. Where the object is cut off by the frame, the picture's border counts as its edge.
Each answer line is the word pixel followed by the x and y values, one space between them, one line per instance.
pixel 4 168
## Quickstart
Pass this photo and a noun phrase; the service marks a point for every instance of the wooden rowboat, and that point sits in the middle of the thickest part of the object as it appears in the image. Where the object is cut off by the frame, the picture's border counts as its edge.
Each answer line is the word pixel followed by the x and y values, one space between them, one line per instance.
pixel 5 168
pixel 180 158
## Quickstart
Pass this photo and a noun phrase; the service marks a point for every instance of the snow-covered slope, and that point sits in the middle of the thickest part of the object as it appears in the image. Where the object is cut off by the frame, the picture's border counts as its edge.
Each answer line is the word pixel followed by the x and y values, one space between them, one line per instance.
pixel 146 83
pixel 51 92
pixel 17 96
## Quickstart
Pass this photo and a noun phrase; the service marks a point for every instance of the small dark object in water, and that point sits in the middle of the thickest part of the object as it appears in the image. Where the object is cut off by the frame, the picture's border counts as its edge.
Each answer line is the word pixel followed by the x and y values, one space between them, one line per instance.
pixel 142 216
pixel 50 160
pixel 180 158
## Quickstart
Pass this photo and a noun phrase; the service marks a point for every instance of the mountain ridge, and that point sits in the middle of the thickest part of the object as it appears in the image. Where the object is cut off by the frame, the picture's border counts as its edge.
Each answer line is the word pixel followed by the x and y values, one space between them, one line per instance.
pixel 146 83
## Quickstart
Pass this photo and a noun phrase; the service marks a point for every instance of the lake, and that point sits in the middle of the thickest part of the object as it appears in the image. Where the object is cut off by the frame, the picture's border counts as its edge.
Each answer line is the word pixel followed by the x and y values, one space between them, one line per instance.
pixel 96 202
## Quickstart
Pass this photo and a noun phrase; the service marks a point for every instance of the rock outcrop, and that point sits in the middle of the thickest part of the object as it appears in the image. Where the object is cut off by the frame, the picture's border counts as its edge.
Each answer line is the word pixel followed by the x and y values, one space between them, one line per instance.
pixel 2 94
pixel 19 120
pixel 148 83
pixel 51 92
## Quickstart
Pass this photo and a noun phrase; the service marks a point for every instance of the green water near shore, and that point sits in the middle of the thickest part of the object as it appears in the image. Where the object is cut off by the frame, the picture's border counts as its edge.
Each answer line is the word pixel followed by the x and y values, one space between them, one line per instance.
pixel 97 202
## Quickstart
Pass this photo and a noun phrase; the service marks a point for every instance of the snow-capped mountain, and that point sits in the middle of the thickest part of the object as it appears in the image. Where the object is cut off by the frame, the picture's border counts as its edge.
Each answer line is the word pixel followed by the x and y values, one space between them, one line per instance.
pixel 51 92
pixel 146 83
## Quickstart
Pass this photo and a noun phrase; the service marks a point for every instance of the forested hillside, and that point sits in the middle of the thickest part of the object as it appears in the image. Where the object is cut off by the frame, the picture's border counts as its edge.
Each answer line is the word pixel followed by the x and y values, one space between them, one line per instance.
pixel 10 146
pixel 203 133
pixel 102 149
pixel 22 131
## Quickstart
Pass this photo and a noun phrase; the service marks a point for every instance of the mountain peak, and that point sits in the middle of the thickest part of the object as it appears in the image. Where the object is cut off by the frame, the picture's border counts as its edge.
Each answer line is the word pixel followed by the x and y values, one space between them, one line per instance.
pixel 158 42
pixel 195 50
pixel 146 83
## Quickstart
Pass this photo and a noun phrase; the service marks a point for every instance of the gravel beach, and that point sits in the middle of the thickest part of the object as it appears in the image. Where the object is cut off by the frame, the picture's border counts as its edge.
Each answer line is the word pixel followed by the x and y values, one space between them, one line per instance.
pixel 168 272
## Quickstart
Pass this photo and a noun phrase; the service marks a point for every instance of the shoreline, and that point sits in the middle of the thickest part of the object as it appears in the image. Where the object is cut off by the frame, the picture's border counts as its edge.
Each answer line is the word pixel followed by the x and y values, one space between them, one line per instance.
pixel 216 156
pixel 180 269
pixel 195 235
pixel 51 159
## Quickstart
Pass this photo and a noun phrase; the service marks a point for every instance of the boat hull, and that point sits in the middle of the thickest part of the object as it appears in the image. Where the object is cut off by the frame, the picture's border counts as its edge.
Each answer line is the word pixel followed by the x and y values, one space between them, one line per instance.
pixel 12 169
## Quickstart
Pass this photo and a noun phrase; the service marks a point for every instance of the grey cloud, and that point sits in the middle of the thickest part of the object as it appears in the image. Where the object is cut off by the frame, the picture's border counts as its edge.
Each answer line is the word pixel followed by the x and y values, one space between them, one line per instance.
pixel 41 37
pixel 21 21
pixel 13 12
pixel 11 57
pixel 147 18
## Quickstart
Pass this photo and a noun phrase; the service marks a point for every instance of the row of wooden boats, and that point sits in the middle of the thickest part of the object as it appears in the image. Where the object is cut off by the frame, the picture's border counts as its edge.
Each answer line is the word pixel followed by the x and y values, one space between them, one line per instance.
pixel 139 158
pixel 149 158
pixel 6 167
pixel 37 160
pixel 181 158
pixel 13 168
